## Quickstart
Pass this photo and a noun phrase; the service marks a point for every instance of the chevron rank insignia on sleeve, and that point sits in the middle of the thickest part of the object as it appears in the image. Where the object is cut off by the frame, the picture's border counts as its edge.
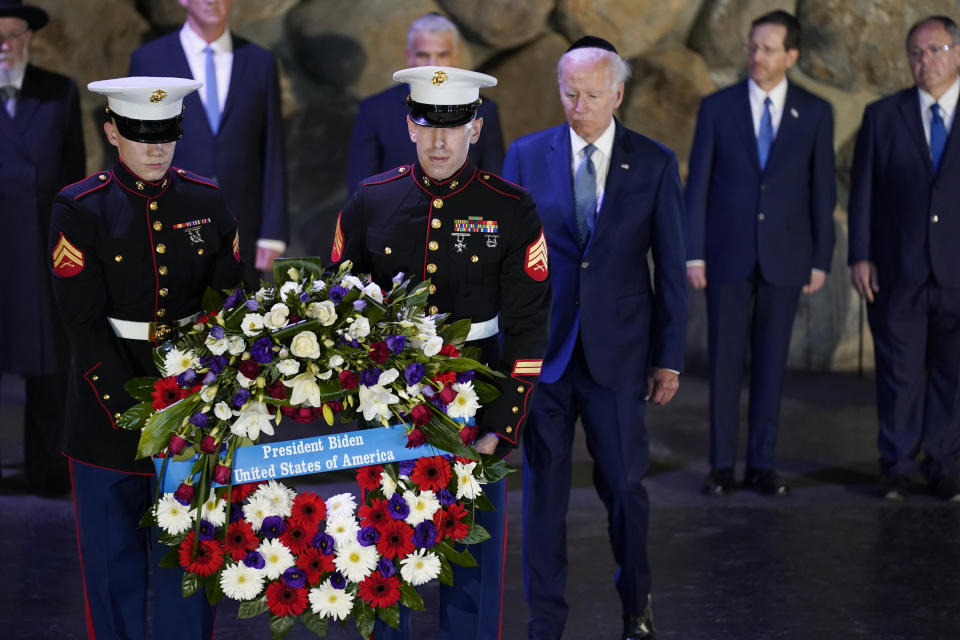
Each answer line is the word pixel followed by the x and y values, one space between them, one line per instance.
pixel 337 252
pixel 67 259
pixel 536 264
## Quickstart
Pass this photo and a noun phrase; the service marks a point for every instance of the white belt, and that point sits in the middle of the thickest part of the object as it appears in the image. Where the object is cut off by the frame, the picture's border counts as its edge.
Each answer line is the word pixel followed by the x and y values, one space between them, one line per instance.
pixel 131 330
pixel 481 330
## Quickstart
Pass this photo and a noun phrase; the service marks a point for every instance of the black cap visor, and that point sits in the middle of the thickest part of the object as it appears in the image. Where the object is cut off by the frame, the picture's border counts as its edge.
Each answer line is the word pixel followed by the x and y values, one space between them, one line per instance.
pixel 149 131
pixel 442 115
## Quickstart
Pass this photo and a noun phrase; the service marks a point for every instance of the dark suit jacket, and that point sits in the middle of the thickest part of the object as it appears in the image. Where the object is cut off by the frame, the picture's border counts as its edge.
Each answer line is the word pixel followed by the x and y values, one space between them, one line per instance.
pixel 380 140
pixel 604 293
pixel 903 216
pixel 42 151
pixel 781 217
pixel 246 155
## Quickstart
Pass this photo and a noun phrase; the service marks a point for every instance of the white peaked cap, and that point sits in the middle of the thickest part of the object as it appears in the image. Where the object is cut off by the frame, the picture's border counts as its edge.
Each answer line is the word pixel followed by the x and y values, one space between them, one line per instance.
pixel 145 98
pixel 444 85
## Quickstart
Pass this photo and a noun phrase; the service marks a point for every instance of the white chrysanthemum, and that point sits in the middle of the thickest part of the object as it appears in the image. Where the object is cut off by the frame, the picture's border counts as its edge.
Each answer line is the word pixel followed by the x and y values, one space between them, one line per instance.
pixel 214 511
pixel 279 496
pixel 176 361
pixel 252 420
pixel 343 530
pixel 263 293
pixel 277 558
pixel 354 561
pixel 329 602
pixel 237 345
pixel 216 347
pixel 290 287
pixel 252 324
pixel 256 509
pixel 426 327
pixel 373 291
pixel 387 485
pixel 241 582
pixel 467 485
pixel 420 567
pixel 432 346
pixel 288 367
pixel 173 517
pixel 341 505
pixel 222 410
pixel 387 377
pixel 466 403
pixel 422 507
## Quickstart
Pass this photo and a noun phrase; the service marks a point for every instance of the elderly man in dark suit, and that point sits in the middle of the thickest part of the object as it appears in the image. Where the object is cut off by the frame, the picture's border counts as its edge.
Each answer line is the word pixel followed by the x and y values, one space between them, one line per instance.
pixel 42 151
pixel 760 199
pixel 607 196
pixel 904 234
pixel 233 129
pixel 380 141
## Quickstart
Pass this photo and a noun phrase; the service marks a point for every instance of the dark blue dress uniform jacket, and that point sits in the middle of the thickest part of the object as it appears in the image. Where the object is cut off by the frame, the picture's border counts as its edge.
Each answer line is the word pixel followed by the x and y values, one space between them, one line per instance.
pixel 135 250
pixel 479 240
pixel 41 152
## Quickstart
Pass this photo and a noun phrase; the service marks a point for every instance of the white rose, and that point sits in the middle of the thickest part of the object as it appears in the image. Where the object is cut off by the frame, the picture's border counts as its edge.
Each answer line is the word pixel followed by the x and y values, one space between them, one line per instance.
pixel 432 346
pixel 305 345
pixel 284 353
pixel 360 328
pixel 276 318
pixel 252 324
pixel 222 411
pixel 288 367
pixel 244 381
pixel 326 312
pixel 373 290
pixel 216 347
pixel 290 287
pixel 237 345
pixel 335 361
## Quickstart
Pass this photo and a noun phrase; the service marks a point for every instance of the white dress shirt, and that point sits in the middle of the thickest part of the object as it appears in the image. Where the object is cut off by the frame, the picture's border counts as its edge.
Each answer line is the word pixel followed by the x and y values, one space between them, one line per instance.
pixel 193 46
pixel 778 99
pixel 948 107
pixel 600 157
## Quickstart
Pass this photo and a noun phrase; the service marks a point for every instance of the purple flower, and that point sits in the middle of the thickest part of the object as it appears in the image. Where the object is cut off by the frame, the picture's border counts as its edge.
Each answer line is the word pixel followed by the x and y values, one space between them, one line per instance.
pixel 370 377
pixel 199 419
pixel 186 378
pixel 337 581
pixel 465 376
pixel 413 372
pixel 359 305
pixel 209 378
pixel 445 497
pixel 272 527
pixel 207 530
pixel 240 397
pixel 428 391
pixel 425 534
pixel 294 578
pixel 252 305
pixel 386 568
pixel 324 542
pixel 254 560
pixel 216 364
pixel 396 343
pixel 405 467
pixel 337 294
pixel 236 511
pixel 398 507
pixel 232 300
pixel 397 279
pixel 216 332
pixel 262 350
pixel 368 536
pixel 305 296
pixel 354 343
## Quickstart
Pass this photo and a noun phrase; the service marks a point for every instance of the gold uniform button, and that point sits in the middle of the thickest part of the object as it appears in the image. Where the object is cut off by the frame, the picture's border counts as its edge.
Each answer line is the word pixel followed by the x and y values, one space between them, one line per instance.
pixel 103 177
pixel 387 250
pixel 435 223
pixel 118 258
pixel 437 203
pixel 181 171
pixel 454 185
pixel 164 185
pixel 157 225
pixel 154 206
pixel 515 409
pixel 116 416
pixel 485 176
pixel 106 396
pixel 94 377
pixel 200 251
pixel 433 310
pixel 402 169
pixel 431 268
pixel 509 429
pixel 162 270
pixel 163 292
pixel 161 313
pixel 161 248
pixel 520 389
pixel 433 289
pixel 434 245
pixel 140 185
pixel 474 258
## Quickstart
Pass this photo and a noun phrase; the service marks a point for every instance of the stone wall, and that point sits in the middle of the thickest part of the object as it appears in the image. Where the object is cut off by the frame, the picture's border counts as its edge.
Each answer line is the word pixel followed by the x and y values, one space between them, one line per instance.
pixel 332 53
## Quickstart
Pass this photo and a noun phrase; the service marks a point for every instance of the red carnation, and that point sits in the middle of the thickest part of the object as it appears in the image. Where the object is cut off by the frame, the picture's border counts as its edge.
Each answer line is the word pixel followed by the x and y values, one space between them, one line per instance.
pixel 448 394
pixel 250 368
pixel 396 539
pixel 449 350
pixel 165 393
pixel 240 540
pixel 242 491
pixel 445 378
pixel 375 514
pixel 380 592
pixel 221 474
pixel 469 434
pixel 348 379
pixel 308 510
pixel 296 538
pixel 207 560
pixel 431 473
pixel 416 438
pixel 277 390
pixel 421 415
pixel 314 564
pixel 379 352
pixel 177 445
pixel 286 601
pixel 369 477
pixel 293 319
pixel 450 522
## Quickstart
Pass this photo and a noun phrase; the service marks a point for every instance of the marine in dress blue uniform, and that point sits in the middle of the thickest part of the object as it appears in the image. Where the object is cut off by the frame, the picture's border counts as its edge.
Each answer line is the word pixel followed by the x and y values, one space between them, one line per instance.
pixel 480 242
pixel 131 258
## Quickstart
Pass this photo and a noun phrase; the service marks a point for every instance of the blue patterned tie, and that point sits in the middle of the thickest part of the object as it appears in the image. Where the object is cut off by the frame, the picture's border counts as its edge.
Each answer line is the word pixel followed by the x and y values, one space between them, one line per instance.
pixel 765 134
pixel 585 194
pixel 213 100
pixel 938 136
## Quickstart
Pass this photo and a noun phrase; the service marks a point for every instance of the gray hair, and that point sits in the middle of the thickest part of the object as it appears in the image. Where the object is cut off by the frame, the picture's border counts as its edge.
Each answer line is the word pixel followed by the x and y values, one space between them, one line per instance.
pixel 433 23
pixel 945 21
pixel 617 65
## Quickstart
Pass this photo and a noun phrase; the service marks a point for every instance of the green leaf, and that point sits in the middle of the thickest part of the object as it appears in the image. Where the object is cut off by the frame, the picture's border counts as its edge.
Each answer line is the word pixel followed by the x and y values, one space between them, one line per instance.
pixel 486 392
pixel 190 584
pixel 156 433
pixel 140 388
pixel 462 364
pixel 446 571
pixel 455 333
pixel 463 558
pixel 252 608
pixel 364 617
pixel 418 295
pixel 390 615
pixel 496 470
pixel 314 623
pixel 214 592
pixel 287 333
pixel 169 539
pixel 136 416
pixel 304 266
pixel 212 300
pixel 410 598
pixel 148 520
pixel 170 561
pixel 281 625
pixel 483 503
pixel 477 535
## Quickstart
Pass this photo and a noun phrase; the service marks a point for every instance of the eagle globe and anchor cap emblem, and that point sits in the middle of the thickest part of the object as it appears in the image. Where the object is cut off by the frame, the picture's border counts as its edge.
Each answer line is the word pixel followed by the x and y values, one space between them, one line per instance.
pixel 158 95
pixel 439 77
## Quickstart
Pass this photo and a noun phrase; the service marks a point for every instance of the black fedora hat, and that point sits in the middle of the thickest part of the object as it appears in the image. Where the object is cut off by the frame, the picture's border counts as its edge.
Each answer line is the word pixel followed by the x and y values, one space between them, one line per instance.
pixel 35 16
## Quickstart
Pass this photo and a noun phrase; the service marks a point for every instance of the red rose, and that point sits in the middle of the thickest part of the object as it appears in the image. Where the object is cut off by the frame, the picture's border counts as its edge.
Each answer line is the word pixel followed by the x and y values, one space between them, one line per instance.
pixel 416 438
pixel 421 415
pixel 177 445
pixel 348 379
pixel 447 395
pixel 221 474
pixel 249 368
pixel 277 390
pixel 469 434
pixel 449 350
pixel 379 352
pixel 184 493
pixel 293 318
pixel 208 444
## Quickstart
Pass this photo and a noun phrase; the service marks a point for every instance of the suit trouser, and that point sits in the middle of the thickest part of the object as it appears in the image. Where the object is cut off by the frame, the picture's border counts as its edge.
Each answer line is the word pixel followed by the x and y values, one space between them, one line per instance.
pixel 471 608
pixel 43 413
pixel 617 441
pixel 916 337
pixel 764 313
pixel 115 559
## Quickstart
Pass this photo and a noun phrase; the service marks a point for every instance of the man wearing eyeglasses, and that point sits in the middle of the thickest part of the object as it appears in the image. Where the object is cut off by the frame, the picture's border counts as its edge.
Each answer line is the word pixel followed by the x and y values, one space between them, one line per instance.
pixel 41 152
pixel 760 198
pixel 904 219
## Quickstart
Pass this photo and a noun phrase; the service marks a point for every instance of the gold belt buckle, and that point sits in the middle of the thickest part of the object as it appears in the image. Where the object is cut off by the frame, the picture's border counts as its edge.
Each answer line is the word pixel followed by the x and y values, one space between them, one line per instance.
pixel 158 331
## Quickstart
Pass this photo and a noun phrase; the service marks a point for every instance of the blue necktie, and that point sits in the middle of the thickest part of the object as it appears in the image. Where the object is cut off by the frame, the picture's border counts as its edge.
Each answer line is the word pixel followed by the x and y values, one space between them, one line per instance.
pixel 585 194
pixel 765 134
pixel 213 100
pixel 938 136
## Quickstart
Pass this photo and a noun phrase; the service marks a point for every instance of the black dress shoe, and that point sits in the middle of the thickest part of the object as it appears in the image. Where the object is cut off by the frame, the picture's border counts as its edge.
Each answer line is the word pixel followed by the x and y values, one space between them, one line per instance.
pixel 893 487
pixel 718 483
pixel 639 627
pixel 946 488
pixel 765 481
